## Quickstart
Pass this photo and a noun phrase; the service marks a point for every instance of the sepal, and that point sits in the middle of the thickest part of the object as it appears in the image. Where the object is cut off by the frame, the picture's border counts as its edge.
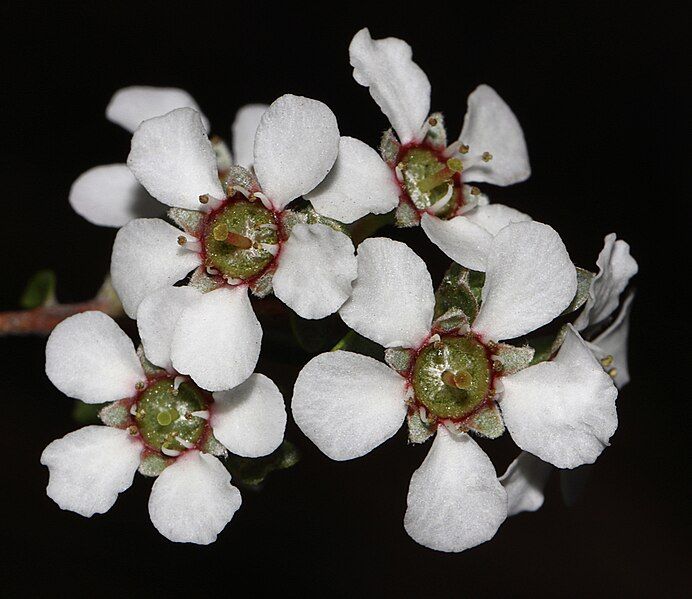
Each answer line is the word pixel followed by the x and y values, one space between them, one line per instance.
pixel 487 422
pixel 204 283
pixel 239 177
pixel 406 215
pixel 399 358
pixel 214 447
pixel 454 320
pixel 152 464
pixel 262 286
pixel 149 368
pixel 116 414
pixel 419 430
pixel 508 359
pixel 39 291
pixel 189 221
pixel 251 472
pixel 389 148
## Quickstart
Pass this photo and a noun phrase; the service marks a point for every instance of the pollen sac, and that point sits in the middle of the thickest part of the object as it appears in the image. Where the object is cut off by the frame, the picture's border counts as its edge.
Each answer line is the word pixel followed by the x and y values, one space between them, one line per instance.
pixel 164 415
pixel 429 180
pixel 238 239
pixel 452 377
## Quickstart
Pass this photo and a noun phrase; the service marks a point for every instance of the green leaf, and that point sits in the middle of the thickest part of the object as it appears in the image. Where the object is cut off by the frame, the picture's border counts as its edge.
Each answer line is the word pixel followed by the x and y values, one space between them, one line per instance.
pixel 584 279
pixel 87 413
pixel 39 291
pixel 461 289
pixel 251 472
pixel 354 342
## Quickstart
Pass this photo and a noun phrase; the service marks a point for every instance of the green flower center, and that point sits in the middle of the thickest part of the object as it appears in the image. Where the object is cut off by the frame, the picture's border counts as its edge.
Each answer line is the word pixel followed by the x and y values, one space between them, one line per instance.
pixel 452 377
pixel 165 416
pixel 429 179
pixel 240 239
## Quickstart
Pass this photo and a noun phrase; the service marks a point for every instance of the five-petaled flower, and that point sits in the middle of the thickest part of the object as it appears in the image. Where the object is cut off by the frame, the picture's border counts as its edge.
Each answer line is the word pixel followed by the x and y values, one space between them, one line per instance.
pixel 420 173
pixel 236 237
pixel 158 422
pixel 450 374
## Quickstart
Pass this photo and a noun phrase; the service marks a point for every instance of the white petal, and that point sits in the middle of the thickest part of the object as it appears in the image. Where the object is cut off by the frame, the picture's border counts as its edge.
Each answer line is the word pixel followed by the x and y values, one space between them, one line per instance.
pixel 494 217
pixel 110 196
pixel 193 499
pixel 455 501
pixel 529 280
pixel 296 145
pixel 490 126
pixel 89 467
pixel 217 339
pixel 89 357
pixel 157 316
pixel 524 482
pixel 613 342
pixel 247 120
pixel 173 158
pixel 250 420
pixel 360 183
pixel 562 411
pixel 146 257
pixel 393 300
pixel 132 105
pixel 462 240
pixel 316 267
pixel 615 268
pixel 398 85
pixel 348 404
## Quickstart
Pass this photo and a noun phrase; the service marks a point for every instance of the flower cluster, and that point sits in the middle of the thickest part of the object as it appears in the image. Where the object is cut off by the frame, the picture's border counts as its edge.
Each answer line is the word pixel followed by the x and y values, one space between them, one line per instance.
pixel 514 339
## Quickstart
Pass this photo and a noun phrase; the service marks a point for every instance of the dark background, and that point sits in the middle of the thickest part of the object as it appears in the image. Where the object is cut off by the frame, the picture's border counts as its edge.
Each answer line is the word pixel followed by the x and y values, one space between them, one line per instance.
pixel 596 91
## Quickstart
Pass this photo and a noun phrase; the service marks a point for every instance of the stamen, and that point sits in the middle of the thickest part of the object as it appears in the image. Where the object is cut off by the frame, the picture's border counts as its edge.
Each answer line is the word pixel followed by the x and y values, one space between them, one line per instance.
pixel 177 381
pixel 186 444
pixel 440 204
pixel 264 199
pixel 241 189
pixel 272 248
pixel 613 372
pixel 607 361
pixel 475 191
pixel 432 121
pixel 202 414
pixel 209 202
pixel 139 385
pixel 463 149
pixel 455 165
pixel 271 226
pixel 211 271
pixel 233 281
pixel 189 243
pixel 486 156
pixel 166 450
pixel 399 173
pixel 204 199
pixel 132 430
pixel 133 409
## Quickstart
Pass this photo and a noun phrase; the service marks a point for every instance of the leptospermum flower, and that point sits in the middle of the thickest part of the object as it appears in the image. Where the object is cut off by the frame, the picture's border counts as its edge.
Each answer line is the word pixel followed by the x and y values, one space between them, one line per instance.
pixel 419 171
pixel 449 375
pixel 235 237
pixel 527 475
pixel 109 195
pixel 158 422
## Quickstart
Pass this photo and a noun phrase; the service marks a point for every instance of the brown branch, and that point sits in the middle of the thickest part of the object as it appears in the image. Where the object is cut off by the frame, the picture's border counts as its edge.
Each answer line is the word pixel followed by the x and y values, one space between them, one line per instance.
pixel 42 320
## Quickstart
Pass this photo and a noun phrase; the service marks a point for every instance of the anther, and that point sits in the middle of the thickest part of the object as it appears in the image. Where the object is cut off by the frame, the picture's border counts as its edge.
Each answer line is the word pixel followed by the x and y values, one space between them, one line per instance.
pixel 607 361
pixel 486 156
pixel 432 121
pixel 456 165
pixel 463 149
pixel 140 385
pixel 613 372
pixel 132 430
pixel 475 191
pixel 220 232
pixel 204 198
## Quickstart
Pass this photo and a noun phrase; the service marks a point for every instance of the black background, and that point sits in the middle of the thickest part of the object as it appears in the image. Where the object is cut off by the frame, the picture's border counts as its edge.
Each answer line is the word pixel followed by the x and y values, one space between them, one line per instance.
pixel 595 89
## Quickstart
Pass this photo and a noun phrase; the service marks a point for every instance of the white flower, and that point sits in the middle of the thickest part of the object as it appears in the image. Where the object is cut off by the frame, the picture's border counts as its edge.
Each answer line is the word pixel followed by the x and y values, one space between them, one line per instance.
pixel 161 423
pixel 423 173
pixel 562 410
pixel 109 195
pixel 526 476
pixel 240 236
